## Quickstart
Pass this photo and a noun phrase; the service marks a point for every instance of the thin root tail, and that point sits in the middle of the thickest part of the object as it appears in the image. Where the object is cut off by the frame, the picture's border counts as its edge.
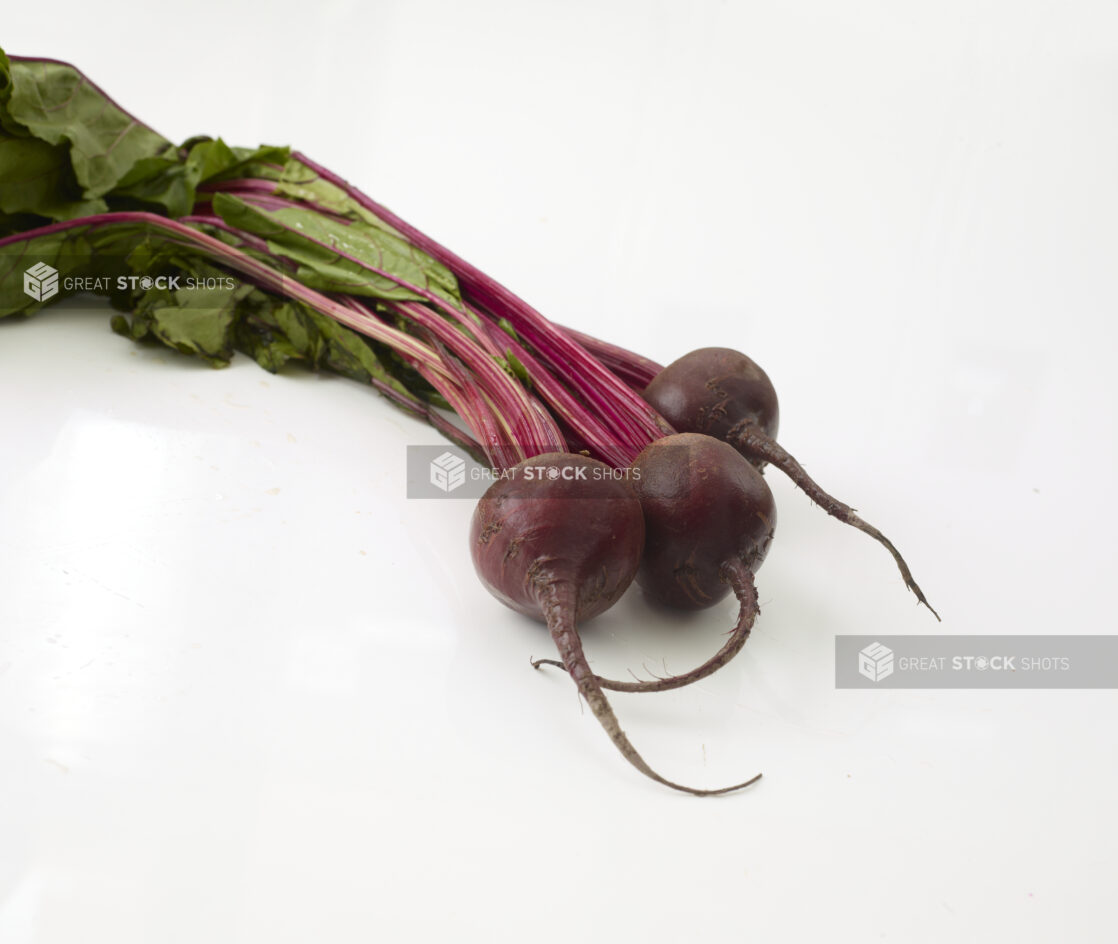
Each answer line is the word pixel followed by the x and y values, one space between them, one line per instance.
pixel 558 603
pixel 760 447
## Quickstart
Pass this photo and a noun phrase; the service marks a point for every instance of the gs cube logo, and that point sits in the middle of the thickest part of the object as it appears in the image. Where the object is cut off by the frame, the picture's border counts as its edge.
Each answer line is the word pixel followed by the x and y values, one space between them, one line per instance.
pixel 41 282
pixel 875 662
pixel 448 471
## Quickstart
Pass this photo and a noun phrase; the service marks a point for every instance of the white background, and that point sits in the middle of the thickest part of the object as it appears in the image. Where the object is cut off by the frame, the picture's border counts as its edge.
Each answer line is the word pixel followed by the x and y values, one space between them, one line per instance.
pixel 248 692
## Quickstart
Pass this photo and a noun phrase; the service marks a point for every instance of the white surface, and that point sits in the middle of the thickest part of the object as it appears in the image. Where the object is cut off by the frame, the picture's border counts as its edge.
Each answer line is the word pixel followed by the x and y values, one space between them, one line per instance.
pixel 250 693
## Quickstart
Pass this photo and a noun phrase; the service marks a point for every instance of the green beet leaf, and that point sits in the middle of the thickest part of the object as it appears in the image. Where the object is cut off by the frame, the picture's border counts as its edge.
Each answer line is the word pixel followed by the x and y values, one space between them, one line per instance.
pixel 57 104
pixel 334 256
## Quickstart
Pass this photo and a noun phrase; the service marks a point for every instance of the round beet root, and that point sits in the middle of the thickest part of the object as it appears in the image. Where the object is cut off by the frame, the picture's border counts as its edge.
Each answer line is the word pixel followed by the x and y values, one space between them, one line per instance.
pixel 707 512
pixel 558 519
pixel 559 538
pixel 724 394
pixel 711 391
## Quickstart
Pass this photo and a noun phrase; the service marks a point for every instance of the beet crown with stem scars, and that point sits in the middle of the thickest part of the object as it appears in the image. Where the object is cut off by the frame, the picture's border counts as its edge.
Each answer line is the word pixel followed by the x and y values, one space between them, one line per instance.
pixel 559 538
pixel 723 393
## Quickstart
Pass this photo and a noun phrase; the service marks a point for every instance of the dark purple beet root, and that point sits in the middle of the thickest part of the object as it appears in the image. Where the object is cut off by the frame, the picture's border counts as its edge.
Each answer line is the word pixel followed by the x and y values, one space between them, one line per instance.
pixel 724 394
pixel 705 510
pixel 560 539
pixel 711 391
pixel 531 531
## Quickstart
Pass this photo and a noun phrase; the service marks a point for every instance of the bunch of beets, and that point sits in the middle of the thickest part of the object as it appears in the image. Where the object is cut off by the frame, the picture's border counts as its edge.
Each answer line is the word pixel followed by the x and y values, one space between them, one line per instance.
pixel 611 468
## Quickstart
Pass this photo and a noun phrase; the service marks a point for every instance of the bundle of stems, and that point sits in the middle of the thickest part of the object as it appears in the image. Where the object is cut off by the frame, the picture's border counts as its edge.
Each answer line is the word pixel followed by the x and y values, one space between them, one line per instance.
pixel 300 245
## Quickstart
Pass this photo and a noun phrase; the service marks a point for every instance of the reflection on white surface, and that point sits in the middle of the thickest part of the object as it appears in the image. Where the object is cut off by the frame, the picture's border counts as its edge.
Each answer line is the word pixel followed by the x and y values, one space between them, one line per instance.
pixel 324 665
pixel 104 473
pixel 87 515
